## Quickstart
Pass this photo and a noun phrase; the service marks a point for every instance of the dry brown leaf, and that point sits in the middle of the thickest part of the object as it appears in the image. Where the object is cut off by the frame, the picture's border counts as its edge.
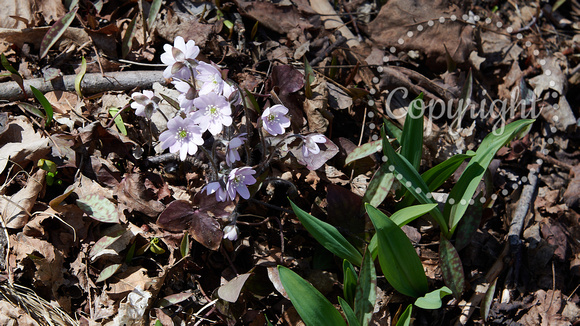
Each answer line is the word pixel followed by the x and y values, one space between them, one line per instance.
pixel 21 144
pixel 398 17
pixel 133 193
pixel 572 195
pixel 281 19
pixel 51 10
pixel 16 209
pixel 315 105
pixel 127 281
pixel 12 315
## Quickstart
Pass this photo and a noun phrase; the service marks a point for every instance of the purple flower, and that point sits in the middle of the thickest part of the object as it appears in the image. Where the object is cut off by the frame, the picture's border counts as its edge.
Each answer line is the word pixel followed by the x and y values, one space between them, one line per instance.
pixel 231 232
pixel 209 78
pixel 178 56
pixel 232 154
pixel 182 135
pixel 274 119
pixel 231 93
pixel 238 180
pixel 309 146
pixel 213 112
pixel 145 103
pixel 219 188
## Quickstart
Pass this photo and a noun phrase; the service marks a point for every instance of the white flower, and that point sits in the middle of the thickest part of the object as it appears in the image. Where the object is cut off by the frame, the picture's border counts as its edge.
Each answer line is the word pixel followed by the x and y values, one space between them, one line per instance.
pixel 213 112
pixel 182 135
pixel 232 154
pixel 187 95
pixel 274 119
pixel 178 56
pixel 238 180
pixel 231 232
pixel 309 146
pixel 145 103
pixel 209 78
pixel 218 188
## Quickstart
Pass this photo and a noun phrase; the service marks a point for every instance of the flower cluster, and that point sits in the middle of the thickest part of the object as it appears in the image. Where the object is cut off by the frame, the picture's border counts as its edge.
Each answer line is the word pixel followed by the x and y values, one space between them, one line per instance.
pixel 206 104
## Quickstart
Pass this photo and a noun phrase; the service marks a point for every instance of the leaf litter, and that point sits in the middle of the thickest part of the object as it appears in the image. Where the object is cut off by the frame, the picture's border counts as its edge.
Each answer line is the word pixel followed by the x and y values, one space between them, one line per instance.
pixel 104 241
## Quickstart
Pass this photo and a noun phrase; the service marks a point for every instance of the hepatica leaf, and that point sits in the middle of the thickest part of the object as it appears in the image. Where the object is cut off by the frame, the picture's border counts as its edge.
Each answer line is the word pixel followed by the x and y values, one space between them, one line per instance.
pixel 56 31
pixel 99 208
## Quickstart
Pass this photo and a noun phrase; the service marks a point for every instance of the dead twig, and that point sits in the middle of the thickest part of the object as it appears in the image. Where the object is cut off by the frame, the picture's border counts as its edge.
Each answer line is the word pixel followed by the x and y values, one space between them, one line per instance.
pixel 92 83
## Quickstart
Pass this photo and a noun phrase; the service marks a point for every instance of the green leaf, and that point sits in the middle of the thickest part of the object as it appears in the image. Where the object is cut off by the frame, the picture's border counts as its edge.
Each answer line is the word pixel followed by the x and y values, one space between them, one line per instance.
pixel 55 32
pixel 311 305
pixel 45 104
pixel 366 291
pixel 412 137
pixel 127 43
pixel 363 151
pixel 47 165
pixel 131 253
pixel 405 318
pixel 464 101
pixel 8 66
pixel 348 313
pixel 558 4
pixel 184 246
pixel 171 101
pixel 155 248
pixel 469 224
pixel 417 187
pixel 253 101
pixel 451 267
pixel 379 187
pixel 31 109
pixel 333 70
pixel 328 236
pixel 158 323
pixel 108 272
pixel 399 261
pixel 350 281
pixel 392 130
pixel 465 187
pixel 438 174
pixel 80 76
pixel 488 300
pixel 153 11
pixel 432 300
pixel 254 31
pixel 408 214
pixel 99 208
pixel 118 120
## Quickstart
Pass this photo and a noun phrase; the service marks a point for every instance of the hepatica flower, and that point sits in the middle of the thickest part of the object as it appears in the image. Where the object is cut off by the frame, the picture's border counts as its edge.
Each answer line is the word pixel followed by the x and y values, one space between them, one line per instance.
pixel 187 95
pixel 209 79
pixel 178 56
pixel 145 103
pixel 231 232
pixel 232 154
pixel 310 145
pixel 182 135
pixel 274 119
pixel 213 112
pixel 238 180
pixel 217 187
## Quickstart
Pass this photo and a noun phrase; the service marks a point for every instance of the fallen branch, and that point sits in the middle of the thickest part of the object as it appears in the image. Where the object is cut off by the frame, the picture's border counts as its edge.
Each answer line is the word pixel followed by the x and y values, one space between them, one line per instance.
pixel 91 84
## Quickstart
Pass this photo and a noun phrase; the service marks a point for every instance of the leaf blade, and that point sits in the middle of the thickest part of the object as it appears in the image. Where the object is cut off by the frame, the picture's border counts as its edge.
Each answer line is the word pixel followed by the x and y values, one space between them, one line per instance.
pixel 56 31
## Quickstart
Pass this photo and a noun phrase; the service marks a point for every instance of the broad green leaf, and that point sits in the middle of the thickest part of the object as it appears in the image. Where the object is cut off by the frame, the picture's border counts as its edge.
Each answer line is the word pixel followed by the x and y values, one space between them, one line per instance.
pixel 45 104
pixel 79 78
pixel 363 151
pixel 158 323
pixel 463 191
pixel 328 236
pixel 107 240
pixel 153 11
pixel 399 261
pixel 348 313
pixel 55 32
pixel 108 272
pixel 155 247
pixel 113 111
pixel 412 137
pixel 393 131
pixel 311 305
pixel 411 179
pixel 47 165
pixel 253 101
pixel 366 291
pixel 451 267
pixel 437 175
pixel 99 208
pixel 8 66
pixel 127 43
pixel 488 300
pixel 432 300
pixel 184 246
pixel 31 109
pixel 402 217
pixel 379 187
pixel 350 281
pixel 405 317
pixel 469 224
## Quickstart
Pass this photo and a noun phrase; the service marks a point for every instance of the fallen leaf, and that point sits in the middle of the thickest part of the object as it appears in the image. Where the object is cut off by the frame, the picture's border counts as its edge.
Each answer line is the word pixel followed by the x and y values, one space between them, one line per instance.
pixel 16 209
pixel 133 194
pixel 21 144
